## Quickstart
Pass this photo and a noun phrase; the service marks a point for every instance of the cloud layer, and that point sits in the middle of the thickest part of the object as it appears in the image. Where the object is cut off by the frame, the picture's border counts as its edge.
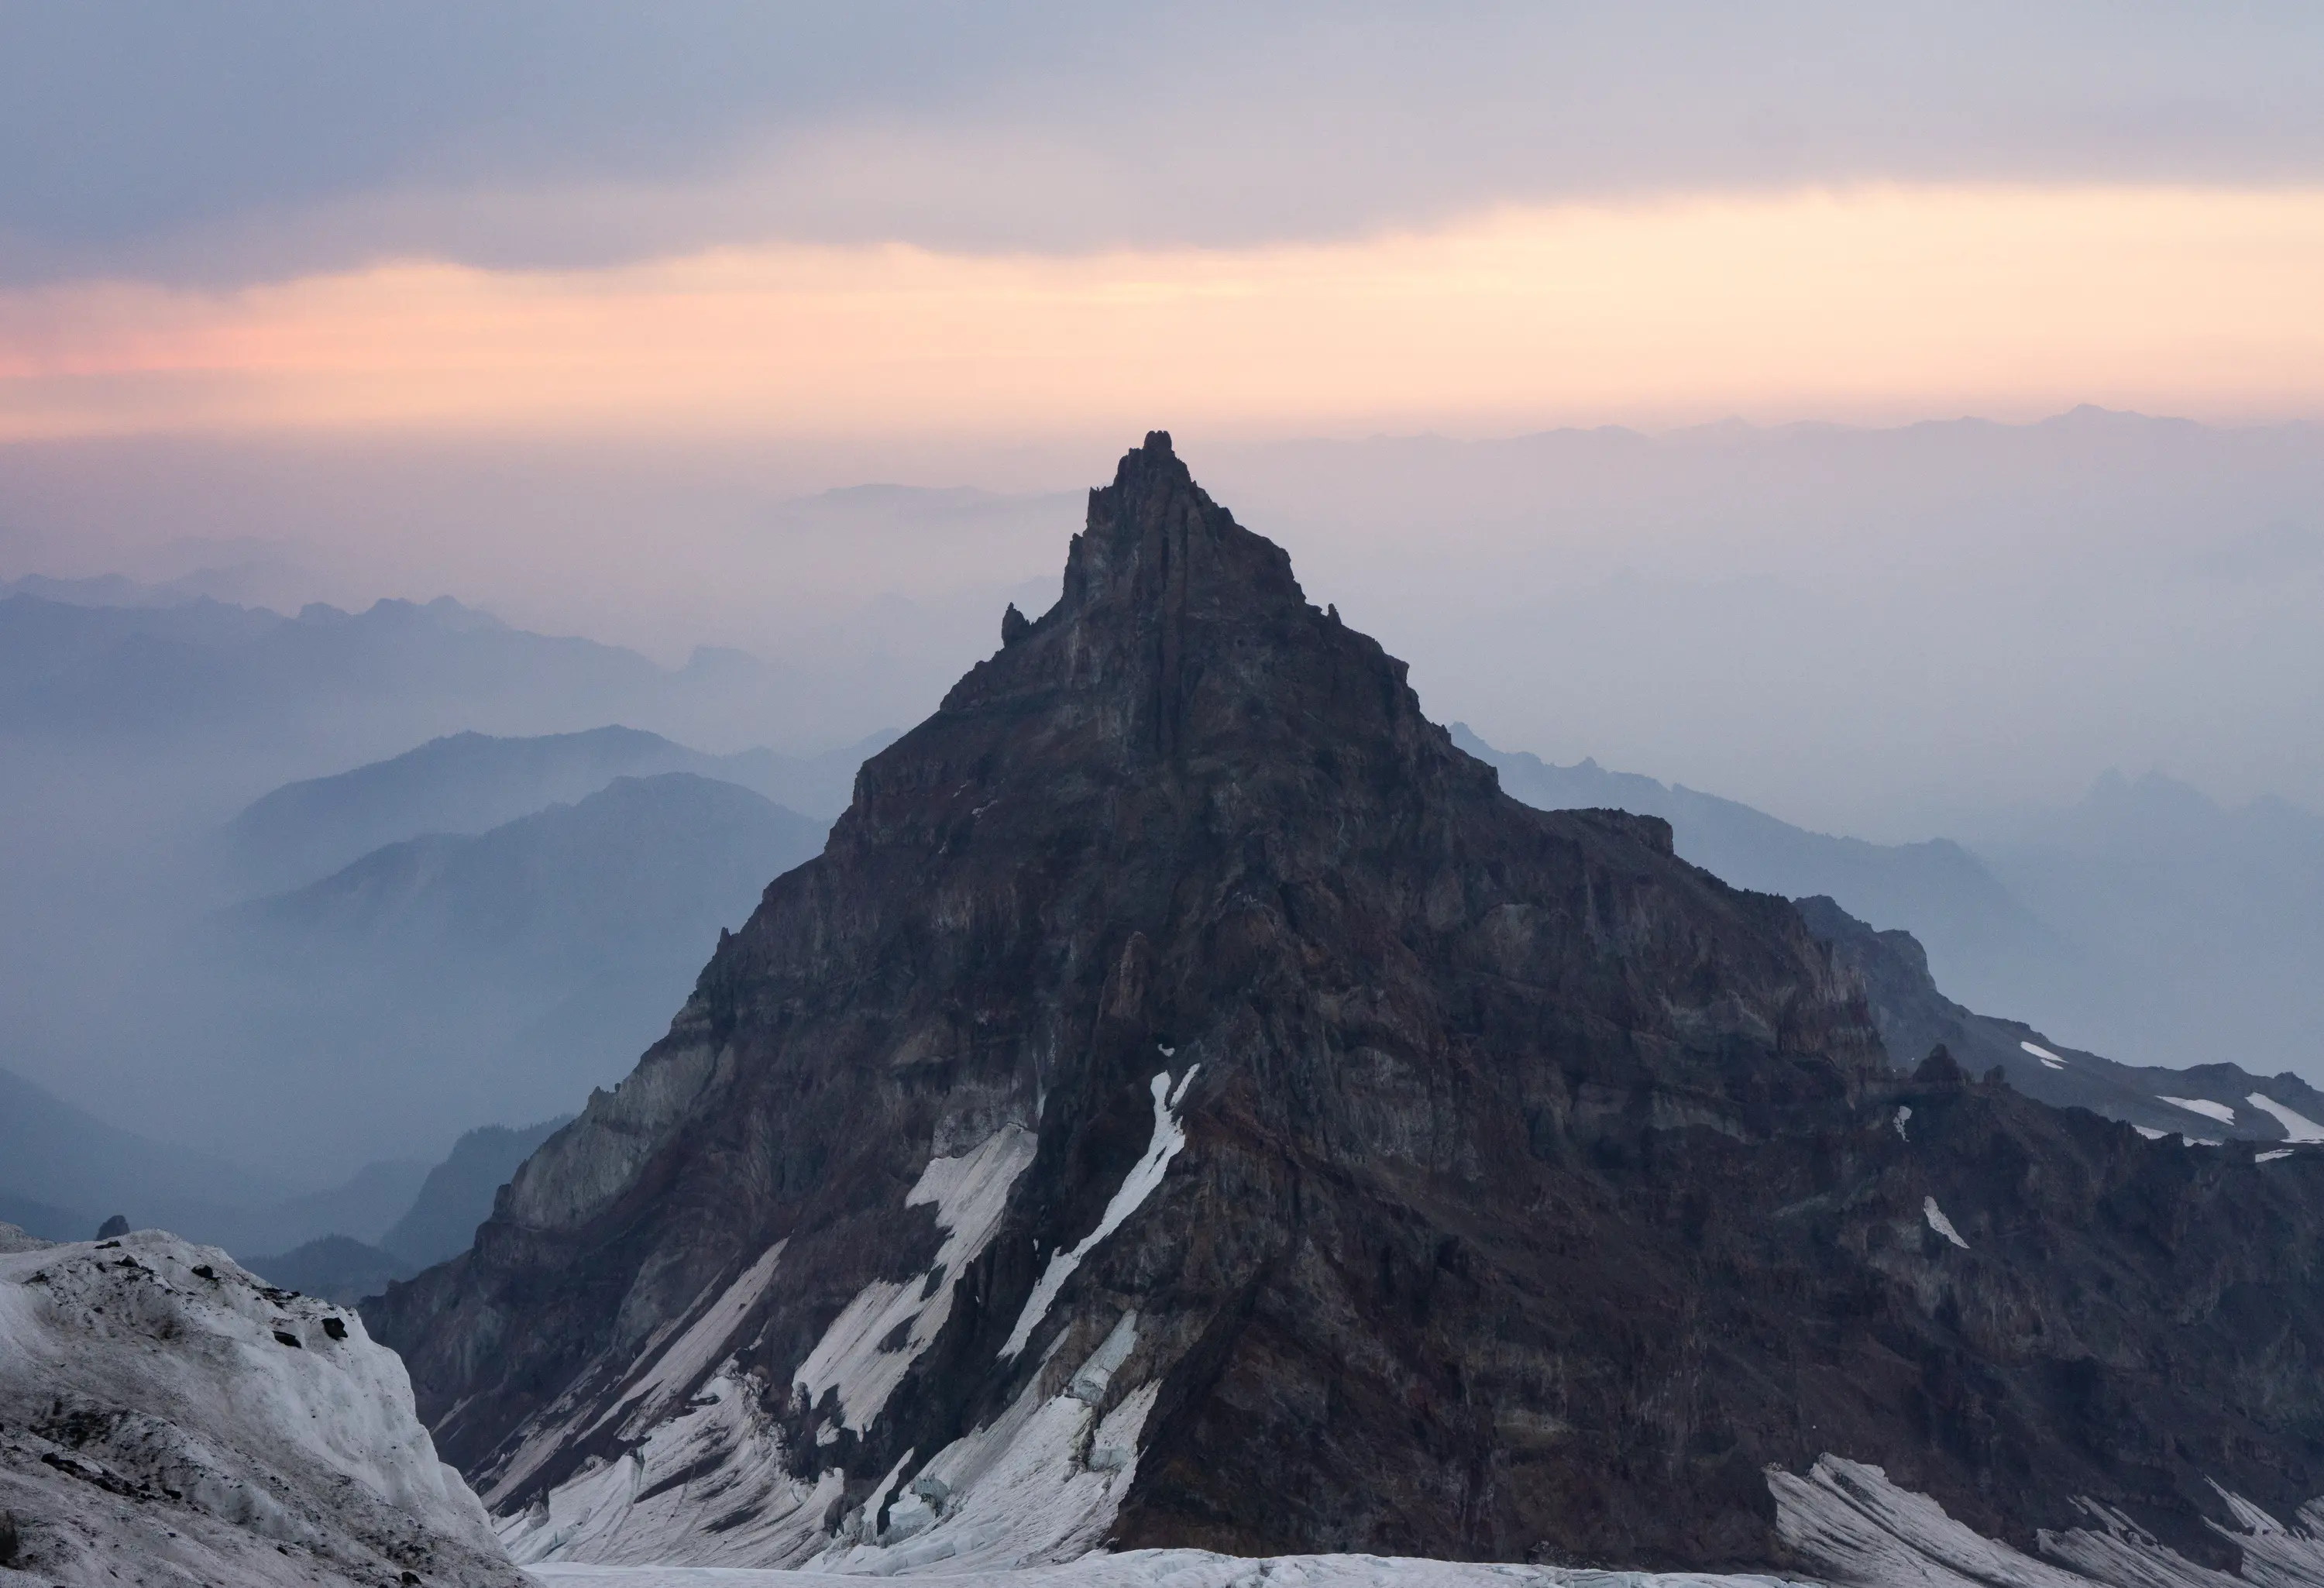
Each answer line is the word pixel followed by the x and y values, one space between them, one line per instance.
pixel 232 142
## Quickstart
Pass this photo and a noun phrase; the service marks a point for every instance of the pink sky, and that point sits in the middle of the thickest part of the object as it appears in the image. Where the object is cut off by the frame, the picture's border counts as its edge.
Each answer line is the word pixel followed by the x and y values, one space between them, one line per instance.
pixel 1870 303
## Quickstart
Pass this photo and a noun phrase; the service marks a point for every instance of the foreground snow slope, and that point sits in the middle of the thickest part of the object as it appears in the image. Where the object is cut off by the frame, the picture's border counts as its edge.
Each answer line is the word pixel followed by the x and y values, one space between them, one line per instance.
pixel 166 1418
pixel 1182 1568
pixel 1844 1522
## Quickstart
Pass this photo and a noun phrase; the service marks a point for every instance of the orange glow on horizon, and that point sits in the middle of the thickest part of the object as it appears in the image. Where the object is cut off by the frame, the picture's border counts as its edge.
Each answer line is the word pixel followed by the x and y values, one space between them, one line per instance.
pixel 1885 300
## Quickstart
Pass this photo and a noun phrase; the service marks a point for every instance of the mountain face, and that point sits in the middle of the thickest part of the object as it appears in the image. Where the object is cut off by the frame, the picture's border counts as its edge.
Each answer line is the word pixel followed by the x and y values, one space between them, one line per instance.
pixel 2213 1102
pixel 1188 1102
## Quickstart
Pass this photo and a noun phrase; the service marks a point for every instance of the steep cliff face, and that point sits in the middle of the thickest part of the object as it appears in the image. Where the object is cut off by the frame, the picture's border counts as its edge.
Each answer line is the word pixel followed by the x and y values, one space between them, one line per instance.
pixel 1187 1103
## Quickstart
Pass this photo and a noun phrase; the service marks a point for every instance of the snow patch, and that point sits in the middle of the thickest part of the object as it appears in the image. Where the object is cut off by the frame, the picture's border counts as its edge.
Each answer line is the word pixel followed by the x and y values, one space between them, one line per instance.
pixel 2271 1157
pixel 1849 1524
pixel 1145 1175
pixel 1904 1112
pixel 2049 1059
pixel 971 1193
pixel 1940 1223
pixel 2204 1106
pixel 2151 1133
pixel 2297 1127
pixel 679 1366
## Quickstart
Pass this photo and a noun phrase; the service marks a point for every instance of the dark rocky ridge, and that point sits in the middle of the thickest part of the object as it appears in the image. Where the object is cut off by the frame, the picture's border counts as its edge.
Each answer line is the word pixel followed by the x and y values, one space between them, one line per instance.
pixel 1539 1190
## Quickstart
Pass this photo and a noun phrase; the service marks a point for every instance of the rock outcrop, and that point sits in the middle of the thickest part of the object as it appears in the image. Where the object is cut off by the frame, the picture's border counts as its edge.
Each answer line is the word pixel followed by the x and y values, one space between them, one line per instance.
pixel 1188 1103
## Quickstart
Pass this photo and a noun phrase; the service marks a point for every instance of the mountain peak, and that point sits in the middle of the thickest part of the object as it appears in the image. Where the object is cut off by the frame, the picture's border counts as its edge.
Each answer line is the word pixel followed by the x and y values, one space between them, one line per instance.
pixel 1178 629
pixel 1156 541
pixel 1187 1103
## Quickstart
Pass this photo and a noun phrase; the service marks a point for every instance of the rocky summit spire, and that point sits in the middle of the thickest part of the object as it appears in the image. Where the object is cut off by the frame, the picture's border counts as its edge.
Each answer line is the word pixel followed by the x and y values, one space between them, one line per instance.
pixel 1187 1103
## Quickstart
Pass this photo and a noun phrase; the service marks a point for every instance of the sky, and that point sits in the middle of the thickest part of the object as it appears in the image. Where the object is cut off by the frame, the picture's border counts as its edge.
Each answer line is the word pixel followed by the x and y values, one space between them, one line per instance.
pixel 575 310
pixel 999 221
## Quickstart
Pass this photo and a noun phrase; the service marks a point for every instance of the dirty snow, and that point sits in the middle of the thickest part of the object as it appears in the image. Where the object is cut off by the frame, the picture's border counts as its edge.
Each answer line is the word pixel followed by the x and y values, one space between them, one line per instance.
pixel 720 1457
pixel 679 1366
pixel 1940 1223
pixel 1145 1175
pixel 1192 1568
pixel 971 1193
pixel 1844 1518
pixel 205 1427
pixel 2297 1127
pixel 2049 1059
pixel 1040 1484
pixel 1851 1525
pixel 2204 1106
pixel 711 1487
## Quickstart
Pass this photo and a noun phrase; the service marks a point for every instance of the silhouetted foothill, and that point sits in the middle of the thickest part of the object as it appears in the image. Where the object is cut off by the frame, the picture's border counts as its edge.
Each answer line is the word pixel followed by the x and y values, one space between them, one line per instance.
pixel 118 1225
pixel 1439 1175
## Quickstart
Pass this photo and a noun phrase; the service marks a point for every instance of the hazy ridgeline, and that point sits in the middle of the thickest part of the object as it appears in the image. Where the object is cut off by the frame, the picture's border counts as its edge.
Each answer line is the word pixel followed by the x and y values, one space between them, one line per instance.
pixel 1946 631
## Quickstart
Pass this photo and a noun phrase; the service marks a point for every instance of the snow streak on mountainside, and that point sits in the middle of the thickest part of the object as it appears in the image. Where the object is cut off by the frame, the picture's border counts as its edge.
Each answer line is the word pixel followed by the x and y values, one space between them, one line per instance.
pixel 165 1416
pixel 1188 1103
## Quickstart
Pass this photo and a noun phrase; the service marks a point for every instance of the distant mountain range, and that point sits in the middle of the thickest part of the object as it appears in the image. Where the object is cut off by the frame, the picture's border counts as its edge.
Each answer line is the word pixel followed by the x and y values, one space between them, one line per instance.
pixel 456 977
pixel 467 783
pixel 63 1172
pixel 201 678
pixel 2195 931
pixel 643 869
pixel 1944 895
pixel 442 1219
pixel 2146 919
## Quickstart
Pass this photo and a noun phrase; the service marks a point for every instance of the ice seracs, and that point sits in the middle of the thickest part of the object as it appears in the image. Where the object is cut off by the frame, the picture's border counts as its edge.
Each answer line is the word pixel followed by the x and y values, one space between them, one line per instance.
pixel 165 1416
